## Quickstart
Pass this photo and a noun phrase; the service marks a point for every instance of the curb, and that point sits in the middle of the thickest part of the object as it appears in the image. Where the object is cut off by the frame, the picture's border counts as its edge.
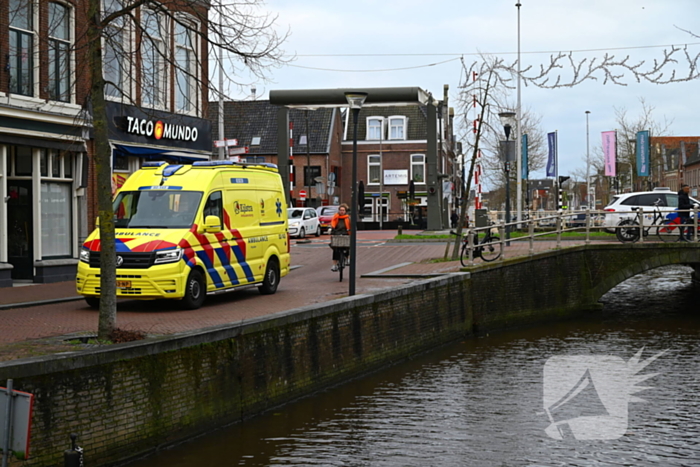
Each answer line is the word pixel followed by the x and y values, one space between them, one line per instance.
pixel 39 302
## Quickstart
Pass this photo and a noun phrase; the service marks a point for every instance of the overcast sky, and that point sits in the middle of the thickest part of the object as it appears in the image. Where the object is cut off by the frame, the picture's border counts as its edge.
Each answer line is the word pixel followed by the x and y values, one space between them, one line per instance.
pixel 414 34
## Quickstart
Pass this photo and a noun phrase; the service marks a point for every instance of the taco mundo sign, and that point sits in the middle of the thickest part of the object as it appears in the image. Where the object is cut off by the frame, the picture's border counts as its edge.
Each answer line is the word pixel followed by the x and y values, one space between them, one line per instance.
pixel 133 125
pixel 160 130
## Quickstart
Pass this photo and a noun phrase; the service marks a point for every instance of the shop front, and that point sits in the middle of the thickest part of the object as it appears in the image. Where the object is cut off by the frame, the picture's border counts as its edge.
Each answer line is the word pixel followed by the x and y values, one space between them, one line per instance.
pixel 42 181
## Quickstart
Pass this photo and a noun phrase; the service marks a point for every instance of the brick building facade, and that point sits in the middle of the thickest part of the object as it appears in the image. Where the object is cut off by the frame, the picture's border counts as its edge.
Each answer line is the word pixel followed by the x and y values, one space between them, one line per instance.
pixel 158 64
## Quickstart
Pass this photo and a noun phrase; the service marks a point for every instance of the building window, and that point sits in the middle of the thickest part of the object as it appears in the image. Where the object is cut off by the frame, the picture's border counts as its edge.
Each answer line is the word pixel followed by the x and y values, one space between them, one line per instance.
pixel 418 168
pixel 21 57
pixel 397 128
pixel 59 52
pixel 375 127
pixel 56 219
pixel 114 52
pixel 253 159
pixel 186 69
pixel 23 161
pixel 310 174
pixel 373 170
pixel 153 63
pixel 255 141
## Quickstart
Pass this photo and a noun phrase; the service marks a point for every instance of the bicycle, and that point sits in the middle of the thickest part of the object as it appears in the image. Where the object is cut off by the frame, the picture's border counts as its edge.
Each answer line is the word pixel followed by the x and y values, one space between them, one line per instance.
pixel 489 248
pixel 662 226
pixel 341 243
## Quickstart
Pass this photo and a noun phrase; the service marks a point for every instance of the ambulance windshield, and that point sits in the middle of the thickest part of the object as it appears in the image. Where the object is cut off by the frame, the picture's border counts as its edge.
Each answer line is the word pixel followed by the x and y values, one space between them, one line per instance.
pixel 156 209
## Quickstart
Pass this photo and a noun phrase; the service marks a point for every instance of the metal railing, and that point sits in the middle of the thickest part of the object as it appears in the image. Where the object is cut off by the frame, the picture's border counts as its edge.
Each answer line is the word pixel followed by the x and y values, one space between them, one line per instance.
pixel 538 227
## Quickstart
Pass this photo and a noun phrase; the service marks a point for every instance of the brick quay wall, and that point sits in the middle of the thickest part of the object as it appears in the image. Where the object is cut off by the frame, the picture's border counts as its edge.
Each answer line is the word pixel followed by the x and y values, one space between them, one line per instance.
pixel 126 400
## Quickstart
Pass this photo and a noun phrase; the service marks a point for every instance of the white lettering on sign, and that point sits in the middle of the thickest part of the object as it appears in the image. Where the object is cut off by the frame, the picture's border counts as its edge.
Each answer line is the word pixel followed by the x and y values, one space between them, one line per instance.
pixel 160 130
pixel 396 177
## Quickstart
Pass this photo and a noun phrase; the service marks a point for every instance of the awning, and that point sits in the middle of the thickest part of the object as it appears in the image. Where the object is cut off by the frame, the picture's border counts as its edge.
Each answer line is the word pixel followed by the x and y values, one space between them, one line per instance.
pixel 154 153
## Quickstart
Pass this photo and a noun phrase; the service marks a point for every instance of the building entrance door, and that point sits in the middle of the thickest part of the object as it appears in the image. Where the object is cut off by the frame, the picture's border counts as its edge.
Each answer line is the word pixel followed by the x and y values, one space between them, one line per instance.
pixel 19 228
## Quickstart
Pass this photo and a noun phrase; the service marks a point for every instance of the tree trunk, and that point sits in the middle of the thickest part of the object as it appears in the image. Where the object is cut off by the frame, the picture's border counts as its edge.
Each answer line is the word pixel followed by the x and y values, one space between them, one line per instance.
pixel 101 159
pixel 465 194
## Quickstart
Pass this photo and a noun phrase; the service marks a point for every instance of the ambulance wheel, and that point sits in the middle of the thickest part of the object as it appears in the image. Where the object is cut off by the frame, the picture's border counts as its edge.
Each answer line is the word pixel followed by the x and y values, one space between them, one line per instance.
pixel 271 279
pixel 195 291
pixel 302 233
pixel 93 302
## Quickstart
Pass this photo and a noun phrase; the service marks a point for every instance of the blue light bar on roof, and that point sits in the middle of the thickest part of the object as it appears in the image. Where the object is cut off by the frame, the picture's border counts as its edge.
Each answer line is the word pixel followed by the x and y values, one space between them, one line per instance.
pixel 211 163
pixel 153 164
pixel 170 170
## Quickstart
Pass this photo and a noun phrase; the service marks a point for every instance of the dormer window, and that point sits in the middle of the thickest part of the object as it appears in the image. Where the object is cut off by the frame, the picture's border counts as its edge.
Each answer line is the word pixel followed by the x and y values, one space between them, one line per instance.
pixel 397 128
pixel 375 128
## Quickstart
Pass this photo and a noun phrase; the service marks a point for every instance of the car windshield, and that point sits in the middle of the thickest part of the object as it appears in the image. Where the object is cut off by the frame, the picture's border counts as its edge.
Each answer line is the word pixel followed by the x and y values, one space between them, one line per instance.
pixel 328 211
pixel 156 209
pixel 295 213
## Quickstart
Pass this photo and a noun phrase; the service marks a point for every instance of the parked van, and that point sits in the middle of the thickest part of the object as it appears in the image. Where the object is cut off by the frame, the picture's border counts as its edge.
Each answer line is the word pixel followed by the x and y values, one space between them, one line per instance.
pixel 184 231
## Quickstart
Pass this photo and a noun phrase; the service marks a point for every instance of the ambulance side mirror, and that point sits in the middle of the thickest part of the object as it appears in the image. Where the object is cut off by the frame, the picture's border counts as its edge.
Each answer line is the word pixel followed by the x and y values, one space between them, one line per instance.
pixel 212 224
pixel 97 221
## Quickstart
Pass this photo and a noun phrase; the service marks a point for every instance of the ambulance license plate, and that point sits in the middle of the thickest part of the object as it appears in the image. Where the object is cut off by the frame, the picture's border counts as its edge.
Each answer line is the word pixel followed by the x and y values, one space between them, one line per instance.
pixel 123 284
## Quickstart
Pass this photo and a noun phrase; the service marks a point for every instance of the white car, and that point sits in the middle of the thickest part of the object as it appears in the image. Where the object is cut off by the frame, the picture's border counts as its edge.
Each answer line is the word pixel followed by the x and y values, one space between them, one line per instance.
pixel 303 221
pixel 621 206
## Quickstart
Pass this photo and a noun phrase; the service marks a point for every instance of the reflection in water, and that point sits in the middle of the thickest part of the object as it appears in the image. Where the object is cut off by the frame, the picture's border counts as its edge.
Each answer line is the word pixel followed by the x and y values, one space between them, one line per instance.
pixel 480 402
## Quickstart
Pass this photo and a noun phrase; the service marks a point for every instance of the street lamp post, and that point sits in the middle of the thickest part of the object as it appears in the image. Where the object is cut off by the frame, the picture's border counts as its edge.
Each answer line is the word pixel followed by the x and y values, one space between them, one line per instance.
pixel 588 166
pixel 507 149
pixel 355 101
pixel 307 176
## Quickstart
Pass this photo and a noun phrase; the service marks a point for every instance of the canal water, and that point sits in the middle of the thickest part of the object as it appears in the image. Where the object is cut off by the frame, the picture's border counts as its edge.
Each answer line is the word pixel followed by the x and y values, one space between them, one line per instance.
pixel 618 387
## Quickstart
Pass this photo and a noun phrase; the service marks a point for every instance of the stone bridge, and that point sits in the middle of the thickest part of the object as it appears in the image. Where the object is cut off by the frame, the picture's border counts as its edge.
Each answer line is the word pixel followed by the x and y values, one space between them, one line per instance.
pixel 558 282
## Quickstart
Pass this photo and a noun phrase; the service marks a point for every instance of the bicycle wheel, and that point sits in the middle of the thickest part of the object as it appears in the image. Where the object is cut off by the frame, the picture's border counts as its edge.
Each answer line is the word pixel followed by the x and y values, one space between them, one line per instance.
pixel 627 231
pixel 491 248
pixel 341 265
pixel 464 254
pixel 668 231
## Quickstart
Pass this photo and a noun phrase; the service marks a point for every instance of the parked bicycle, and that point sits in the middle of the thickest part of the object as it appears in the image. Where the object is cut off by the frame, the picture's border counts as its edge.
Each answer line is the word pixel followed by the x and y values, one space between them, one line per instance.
pixel 664 226
pixel 488 247
pixel 341 244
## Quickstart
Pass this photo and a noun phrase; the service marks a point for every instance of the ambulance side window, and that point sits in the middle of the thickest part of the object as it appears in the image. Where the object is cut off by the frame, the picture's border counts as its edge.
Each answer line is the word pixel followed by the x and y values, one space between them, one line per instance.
pixel 213 207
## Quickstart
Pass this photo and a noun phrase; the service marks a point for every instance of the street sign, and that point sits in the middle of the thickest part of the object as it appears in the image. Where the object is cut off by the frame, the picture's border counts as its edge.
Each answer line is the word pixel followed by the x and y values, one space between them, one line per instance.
pixel 235 151
pixel 20 425
pixel 225 143
pixel 302 194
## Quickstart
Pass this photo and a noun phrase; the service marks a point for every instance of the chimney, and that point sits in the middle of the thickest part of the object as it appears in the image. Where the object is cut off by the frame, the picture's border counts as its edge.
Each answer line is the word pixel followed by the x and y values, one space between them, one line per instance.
pixel 252 92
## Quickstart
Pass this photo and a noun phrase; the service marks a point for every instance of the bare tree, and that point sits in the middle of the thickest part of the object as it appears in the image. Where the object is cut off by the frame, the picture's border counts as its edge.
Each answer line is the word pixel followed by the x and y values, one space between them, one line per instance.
pixel 113 62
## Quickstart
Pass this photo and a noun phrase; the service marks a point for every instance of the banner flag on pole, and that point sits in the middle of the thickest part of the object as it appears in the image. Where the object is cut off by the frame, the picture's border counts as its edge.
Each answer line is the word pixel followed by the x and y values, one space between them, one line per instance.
pixel 526 173
pixel 552 159
pixel 609 152
pixel 643 153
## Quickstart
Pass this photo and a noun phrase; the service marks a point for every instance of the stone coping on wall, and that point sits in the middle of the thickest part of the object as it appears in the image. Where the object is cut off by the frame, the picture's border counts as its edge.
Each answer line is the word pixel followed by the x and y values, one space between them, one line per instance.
pixel 95 356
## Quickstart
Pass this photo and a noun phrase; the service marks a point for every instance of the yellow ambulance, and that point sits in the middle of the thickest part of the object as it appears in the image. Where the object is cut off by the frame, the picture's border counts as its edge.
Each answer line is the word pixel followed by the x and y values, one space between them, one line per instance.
pixel 185 231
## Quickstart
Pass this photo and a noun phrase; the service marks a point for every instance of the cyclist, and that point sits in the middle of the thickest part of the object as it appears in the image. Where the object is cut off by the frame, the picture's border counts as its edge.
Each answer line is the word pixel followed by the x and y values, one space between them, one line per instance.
pixel 684 207
pixel 340 225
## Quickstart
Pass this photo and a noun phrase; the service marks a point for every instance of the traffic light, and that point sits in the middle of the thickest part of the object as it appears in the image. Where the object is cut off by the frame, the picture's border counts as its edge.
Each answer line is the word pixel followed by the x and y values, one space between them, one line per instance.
pixel 562 179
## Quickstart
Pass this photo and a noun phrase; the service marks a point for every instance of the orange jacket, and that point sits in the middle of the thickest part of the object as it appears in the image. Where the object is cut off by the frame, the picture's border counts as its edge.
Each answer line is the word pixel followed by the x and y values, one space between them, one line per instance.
pixel 337 217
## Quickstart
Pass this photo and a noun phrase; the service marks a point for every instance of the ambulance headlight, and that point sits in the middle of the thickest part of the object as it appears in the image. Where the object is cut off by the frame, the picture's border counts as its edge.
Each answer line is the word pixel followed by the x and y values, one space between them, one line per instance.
pixel 168 256
pixel 85 255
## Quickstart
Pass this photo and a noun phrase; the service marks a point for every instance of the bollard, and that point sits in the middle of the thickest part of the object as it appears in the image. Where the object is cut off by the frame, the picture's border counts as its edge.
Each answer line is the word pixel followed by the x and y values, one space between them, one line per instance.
pixel 400 231
pixel 73 457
